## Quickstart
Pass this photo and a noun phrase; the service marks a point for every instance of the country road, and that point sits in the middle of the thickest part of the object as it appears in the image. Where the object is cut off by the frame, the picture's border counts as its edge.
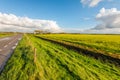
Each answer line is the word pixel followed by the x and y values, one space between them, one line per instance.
pixel 7 46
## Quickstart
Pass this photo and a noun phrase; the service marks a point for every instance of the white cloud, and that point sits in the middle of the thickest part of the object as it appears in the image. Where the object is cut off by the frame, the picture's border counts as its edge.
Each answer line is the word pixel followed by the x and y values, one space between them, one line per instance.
pixel 109 21
pixel 11 22
pixel 109 18
pixel 91 3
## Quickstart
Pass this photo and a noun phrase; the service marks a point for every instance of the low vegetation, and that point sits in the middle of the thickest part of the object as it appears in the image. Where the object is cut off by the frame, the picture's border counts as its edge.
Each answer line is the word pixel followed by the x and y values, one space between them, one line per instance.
pixel 106 43
pixel 5 34
pixel 54 62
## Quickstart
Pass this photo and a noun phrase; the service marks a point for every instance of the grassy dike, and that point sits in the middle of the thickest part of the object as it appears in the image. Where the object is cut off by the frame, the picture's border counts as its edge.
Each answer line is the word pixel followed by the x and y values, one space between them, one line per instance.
pixel 20 66
pixel 54 62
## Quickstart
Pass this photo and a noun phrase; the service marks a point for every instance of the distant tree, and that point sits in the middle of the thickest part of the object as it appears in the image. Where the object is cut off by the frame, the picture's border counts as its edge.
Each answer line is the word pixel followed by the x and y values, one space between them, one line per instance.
pixel 41 32
pixel 38 32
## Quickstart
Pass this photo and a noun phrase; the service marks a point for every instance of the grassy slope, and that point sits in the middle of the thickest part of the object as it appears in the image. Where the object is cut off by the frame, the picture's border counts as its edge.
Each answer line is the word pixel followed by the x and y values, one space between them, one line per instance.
pixel 20 66
pixel 107 43
pixel 54 62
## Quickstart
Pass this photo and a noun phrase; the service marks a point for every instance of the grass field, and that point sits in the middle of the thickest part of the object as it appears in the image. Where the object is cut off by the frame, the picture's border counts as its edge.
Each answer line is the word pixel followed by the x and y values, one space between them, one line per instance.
pixel 106 43
pixel 55 62
pixel 3 34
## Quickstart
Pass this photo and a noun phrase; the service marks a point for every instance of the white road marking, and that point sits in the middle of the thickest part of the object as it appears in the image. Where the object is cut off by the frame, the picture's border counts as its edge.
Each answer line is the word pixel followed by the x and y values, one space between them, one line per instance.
pixel 19 39
pixel 5 46
pixel 5 38
pixel 16 44
pixel 12 41
pixel 13 47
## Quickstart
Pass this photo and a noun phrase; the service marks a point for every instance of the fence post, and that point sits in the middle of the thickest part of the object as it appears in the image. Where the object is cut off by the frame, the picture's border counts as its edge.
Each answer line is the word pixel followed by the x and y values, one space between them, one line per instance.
pixel 34 55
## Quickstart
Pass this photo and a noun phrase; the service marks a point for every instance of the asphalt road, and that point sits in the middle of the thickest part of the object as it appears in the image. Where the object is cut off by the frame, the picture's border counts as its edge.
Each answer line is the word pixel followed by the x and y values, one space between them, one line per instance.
pixel 7 46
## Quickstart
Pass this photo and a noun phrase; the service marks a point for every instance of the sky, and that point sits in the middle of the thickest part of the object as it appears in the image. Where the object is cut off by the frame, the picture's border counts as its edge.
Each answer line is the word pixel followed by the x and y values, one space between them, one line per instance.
pixel 74 16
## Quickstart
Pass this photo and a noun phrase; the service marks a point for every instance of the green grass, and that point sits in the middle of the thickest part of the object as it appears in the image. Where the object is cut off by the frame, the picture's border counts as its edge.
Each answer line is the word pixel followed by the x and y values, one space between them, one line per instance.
pixel 54 62
pixel 3 34
pixel 105 43
pixel 20 66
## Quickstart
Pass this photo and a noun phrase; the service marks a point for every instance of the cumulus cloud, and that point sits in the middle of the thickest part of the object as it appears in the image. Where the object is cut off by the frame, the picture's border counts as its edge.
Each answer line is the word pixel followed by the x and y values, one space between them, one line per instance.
pixel 91 3
pixel 109 21
pixel 109 18
pixel 11 22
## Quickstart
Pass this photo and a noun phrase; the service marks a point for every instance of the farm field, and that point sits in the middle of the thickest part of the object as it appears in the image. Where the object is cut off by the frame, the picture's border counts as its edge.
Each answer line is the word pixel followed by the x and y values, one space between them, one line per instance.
pixel 108 44
pixel 5 34
pixel 37 59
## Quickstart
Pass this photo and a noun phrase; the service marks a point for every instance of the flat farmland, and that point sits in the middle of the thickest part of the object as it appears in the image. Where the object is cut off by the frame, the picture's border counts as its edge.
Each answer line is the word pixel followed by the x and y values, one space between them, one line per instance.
pixel 108 44
pixel 5 34
pixel 39 59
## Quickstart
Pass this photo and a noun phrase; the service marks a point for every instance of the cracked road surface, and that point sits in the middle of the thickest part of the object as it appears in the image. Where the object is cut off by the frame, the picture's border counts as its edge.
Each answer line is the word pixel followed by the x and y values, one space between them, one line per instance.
pixel 7 46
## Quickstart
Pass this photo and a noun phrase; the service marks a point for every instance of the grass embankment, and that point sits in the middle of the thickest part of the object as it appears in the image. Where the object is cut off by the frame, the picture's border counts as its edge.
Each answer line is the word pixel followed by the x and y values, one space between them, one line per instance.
pixel 20 66
pixel 54 62
pixel 108 44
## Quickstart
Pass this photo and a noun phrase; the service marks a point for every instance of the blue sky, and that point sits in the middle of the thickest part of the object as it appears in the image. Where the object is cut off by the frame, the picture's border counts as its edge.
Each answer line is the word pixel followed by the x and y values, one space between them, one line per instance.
pixel 69 14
